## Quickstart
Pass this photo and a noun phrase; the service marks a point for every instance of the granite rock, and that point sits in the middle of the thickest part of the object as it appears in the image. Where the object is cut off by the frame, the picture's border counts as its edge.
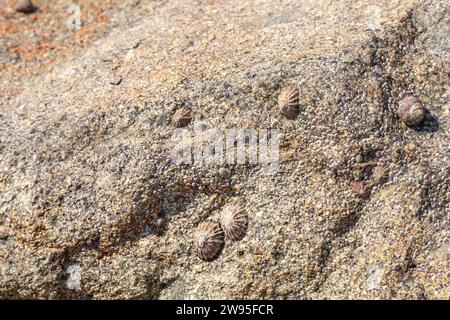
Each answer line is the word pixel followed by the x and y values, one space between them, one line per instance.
pixel 93 207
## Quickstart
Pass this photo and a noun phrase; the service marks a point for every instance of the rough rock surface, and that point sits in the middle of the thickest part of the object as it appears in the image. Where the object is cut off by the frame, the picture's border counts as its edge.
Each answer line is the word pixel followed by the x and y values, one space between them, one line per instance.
pixel 91 205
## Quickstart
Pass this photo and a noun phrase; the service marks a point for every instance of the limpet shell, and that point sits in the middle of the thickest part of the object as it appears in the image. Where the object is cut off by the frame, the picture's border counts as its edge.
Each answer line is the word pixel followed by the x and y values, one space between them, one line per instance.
pixel 288 102
pixel 25 6
pixel 181 118
pixel 234 221
pixel 208 240
pixel 361 189
pixel 410 111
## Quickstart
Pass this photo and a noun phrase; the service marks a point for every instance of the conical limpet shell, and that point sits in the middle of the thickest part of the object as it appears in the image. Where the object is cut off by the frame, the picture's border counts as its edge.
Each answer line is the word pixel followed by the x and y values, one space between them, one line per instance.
pixel 25 6
pixel 411 111
pixel 181 117
pixel 288 102
pixel 234 221
pixel 208 240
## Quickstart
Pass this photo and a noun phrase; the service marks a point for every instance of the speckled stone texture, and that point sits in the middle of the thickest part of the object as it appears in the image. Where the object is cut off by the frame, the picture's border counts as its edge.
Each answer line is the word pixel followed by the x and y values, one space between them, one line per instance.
pixel 91 205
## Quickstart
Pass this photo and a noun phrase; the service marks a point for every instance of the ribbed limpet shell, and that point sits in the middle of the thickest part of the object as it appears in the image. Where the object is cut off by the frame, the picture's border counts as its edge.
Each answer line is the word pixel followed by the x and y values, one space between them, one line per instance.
pixel 181 117
pixel 288 102
pixel 234 221
pixel 208 240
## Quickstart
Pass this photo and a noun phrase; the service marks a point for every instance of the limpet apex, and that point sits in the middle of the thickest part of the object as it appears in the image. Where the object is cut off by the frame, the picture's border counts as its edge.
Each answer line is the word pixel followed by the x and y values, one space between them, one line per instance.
pixel 208 240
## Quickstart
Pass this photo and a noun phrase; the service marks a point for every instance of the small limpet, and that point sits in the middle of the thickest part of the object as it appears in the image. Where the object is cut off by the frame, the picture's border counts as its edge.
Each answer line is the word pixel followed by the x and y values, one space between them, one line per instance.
pixel 208 240
pixel 234 221
pixel 25 6
pixel 288 102
pixel 361 189
pixel 410 111
pixel 181 117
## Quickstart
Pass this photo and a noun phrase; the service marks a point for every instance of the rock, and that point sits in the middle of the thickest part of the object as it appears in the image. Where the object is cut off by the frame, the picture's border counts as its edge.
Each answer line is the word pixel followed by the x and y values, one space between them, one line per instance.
pixel 93 207
pixel 7 57
pixel 3 233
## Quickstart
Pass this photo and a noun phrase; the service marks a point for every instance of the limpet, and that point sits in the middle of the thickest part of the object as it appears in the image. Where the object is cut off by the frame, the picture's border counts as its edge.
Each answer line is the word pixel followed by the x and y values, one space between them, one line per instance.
pixel 25 6
pixel 181 117
pixel 410 111
pixel 234 221
pixel 208 240
pixel 288 102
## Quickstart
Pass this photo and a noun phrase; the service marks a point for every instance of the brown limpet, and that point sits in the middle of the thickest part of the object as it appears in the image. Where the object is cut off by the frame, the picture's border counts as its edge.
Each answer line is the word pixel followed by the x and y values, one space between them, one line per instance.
pixel 361 189
pixel 410 111
pixel 25 6
pixel 181 118
pixel 208 240
pixel 234 221
pixel 288 101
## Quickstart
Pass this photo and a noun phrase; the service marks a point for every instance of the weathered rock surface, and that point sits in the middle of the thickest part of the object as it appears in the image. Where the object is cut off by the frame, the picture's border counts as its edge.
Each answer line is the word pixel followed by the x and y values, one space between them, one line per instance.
pixel 91 205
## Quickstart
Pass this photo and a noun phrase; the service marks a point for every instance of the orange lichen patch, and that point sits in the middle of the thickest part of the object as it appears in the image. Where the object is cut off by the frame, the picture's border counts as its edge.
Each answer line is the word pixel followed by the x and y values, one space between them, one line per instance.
pixel 35 41
pixel 7 28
